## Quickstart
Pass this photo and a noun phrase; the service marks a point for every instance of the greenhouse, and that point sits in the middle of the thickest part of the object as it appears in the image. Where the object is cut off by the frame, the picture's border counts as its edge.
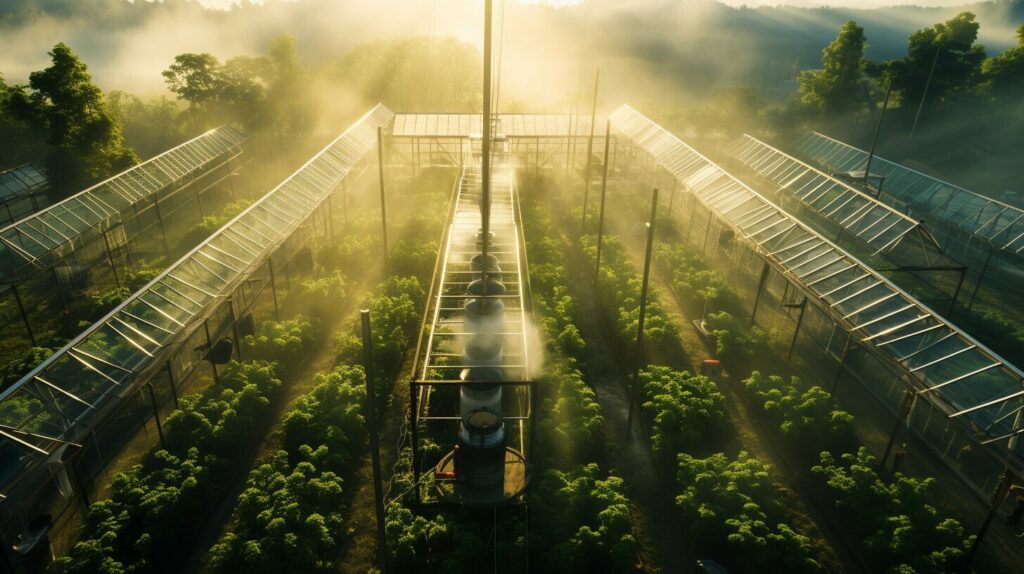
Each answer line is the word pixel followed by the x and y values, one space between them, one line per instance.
pixel 947 375
pixel 985 234
pixel 87 395
pixel 882 233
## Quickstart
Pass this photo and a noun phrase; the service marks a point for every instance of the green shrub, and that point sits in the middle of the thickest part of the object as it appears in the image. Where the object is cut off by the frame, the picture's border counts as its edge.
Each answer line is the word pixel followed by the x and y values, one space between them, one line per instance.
pixel 808 416
pixel 684 410
pixel 283 341
pixel 736 340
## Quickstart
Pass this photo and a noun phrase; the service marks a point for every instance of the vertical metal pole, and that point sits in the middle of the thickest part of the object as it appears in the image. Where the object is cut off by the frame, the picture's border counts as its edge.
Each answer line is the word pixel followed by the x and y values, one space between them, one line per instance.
pixel 796 331
pixel 414 430
pixel 209 352
pixel 273 288
pixel 904 410
pixel 371 428
pixel 604 191
pixel 984 270
pixel 156 414
pixel 638 359
pixel 383 202
pixel 671 195
pixel 24 317
pixel 760 287
pixel 878 128
pixel 842 364
pixel 163 232
pixel 590 151
pixel 924 94
pixel 956 292
pixel 997 498
pixel 485 168
pixel 110 259
pixel 234 328
pixel 170 378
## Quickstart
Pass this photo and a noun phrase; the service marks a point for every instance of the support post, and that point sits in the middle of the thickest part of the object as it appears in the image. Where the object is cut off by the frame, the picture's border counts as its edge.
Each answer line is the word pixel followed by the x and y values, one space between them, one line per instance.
pixel 878 128
pixel 209 351
pixel 604 191
pixel 924 95
pixel 590 152
pixel 110 259
pixel 24 317
pixel 163 232
pixel 383 202
pixel 904 411
pixel 956 292
pixel 170 379
pixel 273 288
pixel 234 328
pixel 997 498
pixel 485 168
pixel 796 331
pixel 842 365
pixel 413 424
pixel 156 414
pixel 981 277
pixel 371 429
pixel 760 287
pixel 671 195
pixel 638 359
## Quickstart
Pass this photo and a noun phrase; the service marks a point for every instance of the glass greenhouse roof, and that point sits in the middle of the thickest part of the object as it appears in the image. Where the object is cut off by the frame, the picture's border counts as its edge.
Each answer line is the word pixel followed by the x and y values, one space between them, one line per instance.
pixel 996 222
pixel 944 365
pixel 55 401
pixel 35 239
pixel 21 181
pixel 876 223
pixel 511 125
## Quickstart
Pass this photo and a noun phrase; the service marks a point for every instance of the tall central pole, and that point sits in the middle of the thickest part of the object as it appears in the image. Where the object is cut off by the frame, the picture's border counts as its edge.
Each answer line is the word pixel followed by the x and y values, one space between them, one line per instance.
pixel 874 140
pixel 590 151
pixel 485 169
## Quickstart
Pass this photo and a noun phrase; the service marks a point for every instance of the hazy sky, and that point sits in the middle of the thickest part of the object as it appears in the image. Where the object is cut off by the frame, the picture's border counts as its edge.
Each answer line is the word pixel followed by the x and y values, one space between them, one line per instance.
pixel 806 3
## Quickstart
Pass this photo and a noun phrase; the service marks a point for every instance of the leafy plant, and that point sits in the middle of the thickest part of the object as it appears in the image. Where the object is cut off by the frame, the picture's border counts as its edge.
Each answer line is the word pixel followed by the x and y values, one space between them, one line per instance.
pixel 808 415
pixel 685 410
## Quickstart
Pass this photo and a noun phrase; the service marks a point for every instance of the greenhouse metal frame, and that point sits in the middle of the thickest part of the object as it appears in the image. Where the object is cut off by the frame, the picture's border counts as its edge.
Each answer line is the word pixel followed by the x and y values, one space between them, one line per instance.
pixel 936 365
pixel 985 234
pixel 881 230
pixel 96 237
pixel 22 189
pixel 536 140
pixel 56 421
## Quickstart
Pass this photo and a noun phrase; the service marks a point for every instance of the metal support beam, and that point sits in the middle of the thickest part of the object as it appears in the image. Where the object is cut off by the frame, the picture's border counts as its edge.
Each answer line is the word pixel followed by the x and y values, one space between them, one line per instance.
pixel 638 358
pixel 273 288
pixel 604 192
pixel 414 431
pixel 590 152
pixel 485 168
pixel 878 128
pixel 796 331
pixel 383 201
pixel 24 317
pixel 760 287
pixel 997 498
pixel 902 414
pixel 371 429
pixel 842 365
pixel 156 414
pixel 981 277
pixel 209 351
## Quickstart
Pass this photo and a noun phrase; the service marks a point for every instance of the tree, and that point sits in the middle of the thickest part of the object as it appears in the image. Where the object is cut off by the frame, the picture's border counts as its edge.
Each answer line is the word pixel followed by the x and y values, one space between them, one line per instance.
pixel 840 87
pixel 1004 73
pixel 84 143
pixel 957 59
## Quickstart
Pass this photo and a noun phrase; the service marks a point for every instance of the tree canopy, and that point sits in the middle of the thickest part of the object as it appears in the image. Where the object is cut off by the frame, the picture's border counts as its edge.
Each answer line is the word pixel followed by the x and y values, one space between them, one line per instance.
pixel 952 48
pixel 84 142
pixel 841 85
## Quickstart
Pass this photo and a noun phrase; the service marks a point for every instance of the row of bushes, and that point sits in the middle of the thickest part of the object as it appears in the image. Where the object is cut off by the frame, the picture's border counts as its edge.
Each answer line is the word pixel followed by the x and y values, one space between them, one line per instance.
pixel 902 530
pixel 289 518
pixel 139 528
